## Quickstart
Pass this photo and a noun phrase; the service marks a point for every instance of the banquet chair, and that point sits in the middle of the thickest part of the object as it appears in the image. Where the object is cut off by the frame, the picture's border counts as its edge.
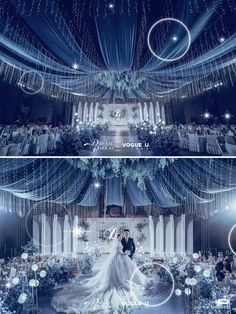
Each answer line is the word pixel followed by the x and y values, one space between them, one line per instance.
pixel 42 145
pixel 213 146
pixel 183 140
pixel 14 150
pixel 230 145
pixel 4 150
pixel 197 144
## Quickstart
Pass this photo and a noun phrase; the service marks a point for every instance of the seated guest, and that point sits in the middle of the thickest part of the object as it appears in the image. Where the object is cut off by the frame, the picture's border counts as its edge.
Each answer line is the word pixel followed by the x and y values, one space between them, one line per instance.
pixel 227 265
pixel 220 273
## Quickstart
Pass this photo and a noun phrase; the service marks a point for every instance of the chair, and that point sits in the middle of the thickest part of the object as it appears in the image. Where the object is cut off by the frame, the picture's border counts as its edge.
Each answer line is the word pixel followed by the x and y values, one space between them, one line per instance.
pixel 42 145
pixel 4 150
pixel 14 150
pixel 183 140
pixel 197 144
pixel 230 145
pixel 212 146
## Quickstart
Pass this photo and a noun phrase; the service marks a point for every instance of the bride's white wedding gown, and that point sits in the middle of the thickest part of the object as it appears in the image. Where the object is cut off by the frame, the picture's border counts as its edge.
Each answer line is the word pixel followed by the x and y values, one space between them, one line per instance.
pixel 107 292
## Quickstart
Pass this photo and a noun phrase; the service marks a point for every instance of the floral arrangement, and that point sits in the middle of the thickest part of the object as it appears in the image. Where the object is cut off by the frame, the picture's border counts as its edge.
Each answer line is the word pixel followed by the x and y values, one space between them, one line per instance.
pixel 73 139
pixel 141 238
pixel 16 294
pixel 31 248
pixel 133 168
pixel 158 136
pixel 84 225
pixel 91 255
pixel 141 225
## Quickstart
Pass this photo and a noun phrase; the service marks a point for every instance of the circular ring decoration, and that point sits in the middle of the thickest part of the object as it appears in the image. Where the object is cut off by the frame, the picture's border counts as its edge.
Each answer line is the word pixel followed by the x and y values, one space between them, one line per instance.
pixel 169 296
pixel 22 84
pixel 174 20
pixel 229 239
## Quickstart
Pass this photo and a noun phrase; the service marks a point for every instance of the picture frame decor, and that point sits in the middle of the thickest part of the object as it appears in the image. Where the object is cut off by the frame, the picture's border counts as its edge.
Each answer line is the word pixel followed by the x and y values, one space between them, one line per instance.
pixel 115 211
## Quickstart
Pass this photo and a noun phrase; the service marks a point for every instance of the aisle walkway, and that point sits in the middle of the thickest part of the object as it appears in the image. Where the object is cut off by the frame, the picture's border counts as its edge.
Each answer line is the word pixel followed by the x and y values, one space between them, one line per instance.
pixel 118 142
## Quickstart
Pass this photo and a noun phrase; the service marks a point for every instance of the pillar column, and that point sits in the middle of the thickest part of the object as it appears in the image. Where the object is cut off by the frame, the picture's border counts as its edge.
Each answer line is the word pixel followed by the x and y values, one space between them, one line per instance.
pixel 151 235
pixel 157 113
pixel 73 113
pixel 67 236
pixel 140 111
pixel 80 111
pixel 43 233
pixel 189 233
pixel 183 239
pixel 145 111
pixel 85 115
pixel 172 235
pixel 96 112
pixel 54 236
pixel 74 236
pixel 151 113
pixel 160 236
pixel 91 112
pixel 163 115
pixel 36 230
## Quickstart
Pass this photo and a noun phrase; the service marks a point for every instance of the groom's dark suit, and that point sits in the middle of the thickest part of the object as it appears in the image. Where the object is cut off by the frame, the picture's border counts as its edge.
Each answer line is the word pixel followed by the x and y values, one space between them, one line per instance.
pixel 128 245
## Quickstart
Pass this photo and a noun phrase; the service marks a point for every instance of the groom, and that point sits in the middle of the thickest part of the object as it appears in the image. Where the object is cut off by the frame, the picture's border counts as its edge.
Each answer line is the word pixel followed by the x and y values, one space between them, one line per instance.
pixel 128 243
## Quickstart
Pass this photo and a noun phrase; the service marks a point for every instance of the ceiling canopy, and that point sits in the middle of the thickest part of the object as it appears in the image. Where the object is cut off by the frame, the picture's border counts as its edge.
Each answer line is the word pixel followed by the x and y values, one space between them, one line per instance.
pixel 139 49
pixel 199 186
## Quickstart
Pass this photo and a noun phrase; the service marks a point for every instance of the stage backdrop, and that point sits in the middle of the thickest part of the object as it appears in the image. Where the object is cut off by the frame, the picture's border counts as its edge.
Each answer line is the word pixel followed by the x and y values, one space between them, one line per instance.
pixel 163 235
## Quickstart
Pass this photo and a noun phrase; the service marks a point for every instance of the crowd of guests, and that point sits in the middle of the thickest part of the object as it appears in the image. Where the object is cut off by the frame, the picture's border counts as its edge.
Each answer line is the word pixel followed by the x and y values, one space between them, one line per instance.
pixel 203 129
pixel 215 139
pixel 42 138
pixel 225 266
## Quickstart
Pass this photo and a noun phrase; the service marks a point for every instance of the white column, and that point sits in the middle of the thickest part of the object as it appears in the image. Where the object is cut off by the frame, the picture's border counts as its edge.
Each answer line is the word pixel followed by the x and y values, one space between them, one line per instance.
pixel 160 236
pixel 73 114
pixel 80 111
pixel 190 236
pixel 74 236
pixel 66 236
pixel 54 236
pixel 36 230
pixel 172 235
pixel 85 115
pixel 48 239
pixel 151 235
pixel 163 114
pixel 96 112
pixel 183 239
pixel 157 112
pixel 145 111
pixel 43 233
pixel 151 113
pixel 140 111
pixel 91 112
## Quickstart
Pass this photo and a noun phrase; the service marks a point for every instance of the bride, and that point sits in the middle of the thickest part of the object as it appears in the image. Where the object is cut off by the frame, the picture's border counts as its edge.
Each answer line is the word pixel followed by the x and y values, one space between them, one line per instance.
pixel 108 291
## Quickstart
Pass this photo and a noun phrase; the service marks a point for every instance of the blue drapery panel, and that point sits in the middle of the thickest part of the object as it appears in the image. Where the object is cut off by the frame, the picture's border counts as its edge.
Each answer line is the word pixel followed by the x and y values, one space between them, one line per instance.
pixel 117 39
pixel 114 194
pixel 36 178
pixel 91 196
pixel 161 194
pixel 73 190
pixel 137 196
pixel 47 190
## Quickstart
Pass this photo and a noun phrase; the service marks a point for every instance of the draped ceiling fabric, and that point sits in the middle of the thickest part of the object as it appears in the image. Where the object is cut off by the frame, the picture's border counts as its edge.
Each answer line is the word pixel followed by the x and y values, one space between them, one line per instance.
pixel 198 186
pixel 109 46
